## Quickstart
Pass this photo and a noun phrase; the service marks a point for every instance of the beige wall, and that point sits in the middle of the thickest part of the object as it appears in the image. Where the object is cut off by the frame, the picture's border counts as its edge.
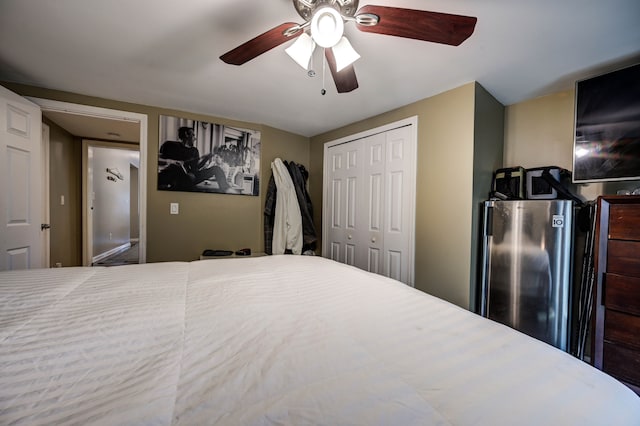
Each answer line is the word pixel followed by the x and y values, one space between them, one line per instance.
pixel 445 199
pixel 460 134
pixel 217 221
pixel 65 158
pixel 539 132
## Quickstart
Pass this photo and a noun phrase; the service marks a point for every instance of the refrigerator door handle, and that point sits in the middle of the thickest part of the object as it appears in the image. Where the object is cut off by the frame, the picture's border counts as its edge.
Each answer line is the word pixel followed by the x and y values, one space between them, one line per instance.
pixel 488 223
pixel 487 235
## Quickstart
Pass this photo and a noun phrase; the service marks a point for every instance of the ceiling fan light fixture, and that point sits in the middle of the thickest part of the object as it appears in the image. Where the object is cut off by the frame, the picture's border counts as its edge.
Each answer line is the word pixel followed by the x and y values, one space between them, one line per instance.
pixel 302 50
pixel 327 27
pixel 345 54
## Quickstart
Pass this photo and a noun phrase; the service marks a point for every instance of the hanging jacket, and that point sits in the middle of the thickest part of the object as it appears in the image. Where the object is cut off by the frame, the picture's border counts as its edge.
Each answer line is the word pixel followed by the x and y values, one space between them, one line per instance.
pixel 299 177
pixel 269 215
pixel 287 229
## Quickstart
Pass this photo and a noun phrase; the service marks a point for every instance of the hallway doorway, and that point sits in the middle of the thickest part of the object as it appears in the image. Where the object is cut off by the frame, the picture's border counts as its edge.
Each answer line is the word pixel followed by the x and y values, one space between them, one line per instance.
pixel 108 126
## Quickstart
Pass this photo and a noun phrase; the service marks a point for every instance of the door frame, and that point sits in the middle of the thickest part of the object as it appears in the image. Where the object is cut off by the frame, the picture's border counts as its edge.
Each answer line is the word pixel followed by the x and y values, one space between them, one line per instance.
pixel 46 196
pixel 413 123
pixel 119 115
pixel 88 255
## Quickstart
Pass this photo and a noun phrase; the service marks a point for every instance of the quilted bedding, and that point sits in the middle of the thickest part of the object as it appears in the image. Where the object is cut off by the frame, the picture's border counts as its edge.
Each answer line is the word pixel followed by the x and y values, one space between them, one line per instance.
pixel 275 340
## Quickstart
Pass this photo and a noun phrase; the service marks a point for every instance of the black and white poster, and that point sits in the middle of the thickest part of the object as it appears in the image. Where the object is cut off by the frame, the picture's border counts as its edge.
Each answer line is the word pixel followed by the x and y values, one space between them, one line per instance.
pixel 196 156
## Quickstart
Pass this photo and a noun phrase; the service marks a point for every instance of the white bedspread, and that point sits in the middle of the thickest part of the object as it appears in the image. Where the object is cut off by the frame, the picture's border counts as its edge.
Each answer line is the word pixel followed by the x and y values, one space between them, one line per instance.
pixel 275 340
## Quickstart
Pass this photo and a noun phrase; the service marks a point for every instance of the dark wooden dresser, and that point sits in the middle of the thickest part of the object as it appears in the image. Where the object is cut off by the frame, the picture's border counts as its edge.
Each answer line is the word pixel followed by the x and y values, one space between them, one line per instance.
pixel 616 338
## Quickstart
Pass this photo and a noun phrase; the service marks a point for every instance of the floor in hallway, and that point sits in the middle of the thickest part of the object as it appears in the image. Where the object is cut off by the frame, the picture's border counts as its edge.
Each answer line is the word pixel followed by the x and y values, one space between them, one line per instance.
pixel 126 257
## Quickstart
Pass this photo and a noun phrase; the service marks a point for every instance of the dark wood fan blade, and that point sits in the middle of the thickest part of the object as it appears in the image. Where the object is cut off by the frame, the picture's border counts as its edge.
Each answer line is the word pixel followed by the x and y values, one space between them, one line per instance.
pixel 260 44
pixel 345 80
pixel 420 24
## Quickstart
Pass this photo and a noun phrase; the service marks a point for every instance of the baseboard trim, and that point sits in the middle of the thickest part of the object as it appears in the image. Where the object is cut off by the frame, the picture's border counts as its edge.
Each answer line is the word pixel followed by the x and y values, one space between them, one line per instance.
pixel 111 252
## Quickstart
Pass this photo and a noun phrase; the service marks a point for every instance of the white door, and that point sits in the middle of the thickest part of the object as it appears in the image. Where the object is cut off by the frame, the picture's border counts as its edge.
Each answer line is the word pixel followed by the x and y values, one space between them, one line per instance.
pixel 372 248
pixel 369 209
pixel 399 204
pixel 343 203
pixel 21 183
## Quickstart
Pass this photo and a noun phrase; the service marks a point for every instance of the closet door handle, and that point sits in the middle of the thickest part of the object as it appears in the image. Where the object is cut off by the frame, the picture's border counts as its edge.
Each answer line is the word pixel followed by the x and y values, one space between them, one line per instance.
pixel 350 236
pixel 373 239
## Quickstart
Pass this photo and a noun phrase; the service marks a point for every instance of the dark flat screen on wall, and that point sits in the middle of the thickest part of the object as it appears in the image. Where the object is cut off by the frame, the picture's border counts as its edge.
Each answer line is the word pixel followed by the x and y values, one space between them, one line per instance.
pixel 607 127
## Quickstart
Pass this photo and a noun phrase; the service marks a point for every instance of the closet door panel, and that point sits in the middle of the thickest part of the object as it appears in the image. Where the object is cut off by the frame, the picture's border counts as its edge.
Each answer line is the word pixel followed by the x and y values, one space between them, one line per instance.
pixel 370 200
pixel 395 264
pixel 398 172
pixel 375 202
pixel 372 241
pixel 336 202
pixel 345 198
pixel 374 262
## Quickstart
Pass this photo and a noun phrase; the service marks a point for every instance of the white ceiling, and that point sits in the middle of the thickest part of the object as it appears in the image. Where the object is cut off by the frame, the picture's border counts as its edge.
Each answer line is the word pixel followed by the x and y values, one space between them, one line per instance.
pixel 166 54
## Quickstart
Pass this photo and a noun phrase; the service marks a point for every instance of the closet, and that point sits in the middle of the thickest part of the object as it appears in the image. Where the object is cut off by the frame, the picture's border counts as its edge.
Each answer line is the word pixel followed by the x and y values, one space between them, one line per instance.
pixel 369 200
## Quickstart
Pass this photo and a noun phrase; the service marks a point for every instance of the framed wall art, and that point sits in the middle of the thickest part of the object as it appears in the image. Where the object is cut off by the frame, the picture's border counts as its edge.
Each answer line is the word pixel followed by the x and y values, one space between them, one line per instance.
pixel 197 156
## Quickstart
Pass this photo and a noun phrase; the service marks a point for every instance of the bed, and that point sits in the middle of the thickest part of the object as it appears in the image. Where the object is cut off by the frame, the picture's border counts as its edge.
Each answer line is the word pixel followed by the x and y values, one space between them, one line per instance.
pixel 275 340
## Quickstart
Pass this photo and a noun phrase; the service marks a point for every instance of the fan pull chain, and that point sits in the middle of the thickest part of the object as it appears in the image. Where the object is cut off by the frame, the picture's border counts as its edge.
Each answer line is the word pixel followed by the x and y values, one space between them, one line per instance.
pixel 324 67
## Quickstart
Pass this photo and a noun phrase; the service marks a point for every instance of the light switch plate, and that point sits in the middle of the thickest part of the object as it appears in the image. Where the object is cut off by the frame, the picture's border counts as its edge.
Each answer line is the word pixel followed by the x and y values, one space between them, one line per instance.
pixel 174 208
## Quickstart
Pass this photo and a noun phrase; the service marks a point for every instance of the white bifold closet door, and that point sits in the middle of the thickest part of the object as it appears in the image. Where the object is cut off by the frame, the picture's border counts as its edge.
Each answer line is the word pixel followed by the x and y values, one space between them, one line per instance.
pixel 369 208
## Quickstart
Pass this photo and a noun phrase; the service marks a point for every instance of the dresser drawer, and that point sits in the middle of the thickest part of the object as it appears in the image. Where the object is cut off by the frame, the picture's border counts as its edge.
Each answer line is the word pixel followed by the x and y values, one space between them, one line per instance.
pixel 622 293
pixel 623 221
pixel 623 257
pixel 622 328
pixel 622 363
pixel 615 332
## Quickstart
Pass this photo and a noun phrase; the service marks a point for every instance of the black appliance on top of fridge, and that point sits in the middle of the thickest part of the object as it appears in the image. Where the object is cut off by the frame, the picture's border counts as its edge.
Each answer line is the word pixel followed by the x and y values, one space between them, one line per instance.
pixel 527 262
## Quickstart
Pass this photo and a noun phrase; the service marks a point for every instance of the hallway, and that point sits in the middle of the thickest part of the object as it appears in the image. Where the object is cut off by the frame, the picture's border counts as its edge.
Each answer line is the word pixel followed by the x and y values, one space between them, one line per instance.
pixel 126 257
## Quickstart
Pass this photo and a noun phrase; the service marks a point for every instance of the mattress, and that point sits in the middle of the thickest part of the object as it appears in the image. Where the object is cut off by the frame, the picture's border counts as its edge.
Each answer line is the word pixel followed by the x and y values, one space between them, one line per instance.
pixel 275 340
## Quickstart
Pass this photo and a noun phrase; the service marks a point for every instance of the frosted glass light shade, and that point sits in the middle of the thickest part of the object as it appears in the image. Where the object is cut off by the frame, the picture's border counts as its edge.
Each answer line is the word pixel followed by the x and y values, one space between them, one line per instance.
pixel 344 53
pixel 327 26
pixel 301 50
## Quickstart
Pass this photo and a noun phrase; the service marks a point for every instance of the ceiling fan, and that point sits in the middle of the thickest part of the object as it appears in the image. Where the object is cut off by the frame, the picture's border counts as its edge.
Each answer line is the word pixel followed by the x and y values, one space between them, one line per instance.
pixel 325 19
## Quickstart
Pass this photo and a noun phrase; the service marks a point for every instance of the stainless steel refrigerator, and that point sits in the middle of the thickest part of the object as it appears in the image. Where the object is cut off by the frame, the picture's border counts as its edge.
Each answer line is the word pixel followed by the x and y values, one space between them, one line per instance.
pixel 527 267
